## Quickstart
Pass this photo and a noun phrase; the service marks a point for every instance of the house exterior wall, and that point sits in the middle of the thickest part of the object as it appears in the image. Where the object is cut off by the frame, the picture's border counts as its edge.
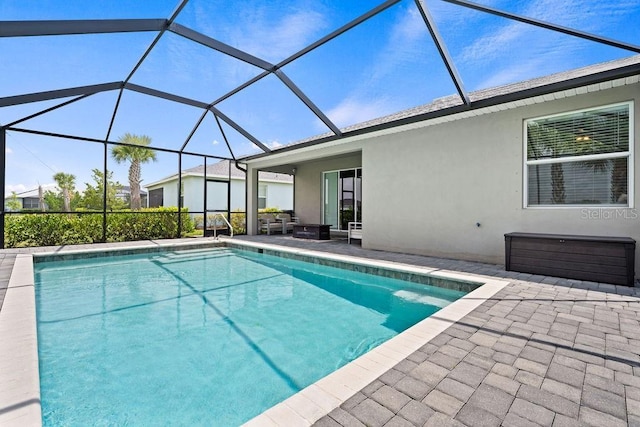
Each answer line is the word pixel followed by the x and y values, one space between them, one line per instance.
pixel 442 180
pixel 216 194
pixel 169 193
pixel 279 195
pixel 426 189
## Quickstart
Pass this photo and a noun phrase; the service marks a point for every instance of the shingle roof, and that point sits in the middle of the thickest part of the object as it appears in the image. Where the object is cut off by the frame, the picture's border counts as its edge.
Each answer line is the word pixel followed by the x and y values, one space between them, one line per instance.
pixel 455 100
pixel 221 169
pixel 33 192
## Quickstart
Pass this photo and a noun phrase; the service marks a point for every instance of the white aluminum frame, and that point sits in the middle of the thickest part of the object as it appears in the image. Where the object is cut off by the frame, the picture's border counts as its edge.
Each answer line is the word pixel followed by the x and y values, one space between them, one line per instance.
pixel 628 154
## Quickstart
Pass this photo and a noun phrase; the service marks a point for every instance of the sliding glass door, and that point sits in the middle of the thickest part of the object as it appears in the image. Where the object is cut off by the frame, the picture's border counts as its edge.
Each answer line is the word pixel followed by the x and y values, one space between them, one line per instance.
pixel 342 197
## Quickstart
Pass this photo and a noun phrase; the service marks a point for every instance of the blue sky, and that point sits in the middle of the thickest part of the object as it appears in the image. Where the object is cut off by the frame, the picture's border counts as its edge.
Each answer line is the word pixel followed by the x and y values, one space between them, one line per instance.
pixel 387 64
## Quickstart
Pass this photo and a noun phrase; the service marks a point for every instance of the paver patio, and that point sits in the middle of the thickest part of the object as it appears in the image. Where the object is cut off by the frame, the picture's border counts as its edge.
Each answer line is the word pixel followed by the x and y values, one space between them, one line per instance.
pixel 543 351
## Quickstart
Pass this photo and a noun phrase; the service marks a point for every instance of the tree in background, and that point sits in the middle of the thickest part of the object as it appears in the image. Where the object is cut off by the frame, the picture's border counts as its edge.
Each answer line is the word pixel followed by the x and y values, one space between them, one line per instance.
pixel 136 153
pixel 13 204
pixel 66 183
pixel 93 194
pixel 43 207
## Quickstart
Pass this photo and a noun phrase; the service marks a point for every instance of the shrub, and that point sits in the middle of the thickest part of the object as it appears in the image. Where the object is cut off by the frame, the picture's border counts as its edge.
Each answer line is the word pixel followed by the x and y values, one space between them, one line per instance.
pixel 239 222
pixel 47 230
pixel 69 229
pixel 151 223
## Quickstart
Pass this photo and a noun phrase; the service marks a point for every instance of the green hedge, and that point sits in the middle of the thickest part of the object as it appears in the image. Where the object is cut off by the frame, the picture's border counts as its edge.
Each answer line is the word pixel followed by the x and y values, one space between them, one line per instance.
pixel 25 230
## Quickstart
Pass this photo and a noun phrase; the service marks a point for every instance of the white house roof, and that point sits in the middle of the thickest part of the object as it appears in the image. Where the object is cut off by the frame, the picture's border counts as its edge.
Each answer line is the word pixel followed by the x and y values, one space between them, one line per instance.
pixel 33 193
pixel 223 170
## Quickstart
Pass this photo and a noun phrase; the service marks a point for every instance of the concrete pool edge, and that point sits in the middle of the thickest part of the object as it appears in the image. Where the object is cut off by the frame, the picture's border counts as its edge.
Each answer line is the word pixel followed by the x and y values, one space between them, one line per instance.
pixel 143 248
pixel 19 372
pixel 20 382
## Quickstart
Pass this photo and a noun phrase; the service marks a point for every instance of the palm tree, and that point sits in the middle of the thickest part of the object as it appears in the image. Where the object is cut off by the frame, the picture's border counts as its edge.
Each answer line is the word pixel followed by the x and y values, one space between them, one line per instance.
pixel 547 142
pixel 66 183
pixel 137 156
pixel 41 199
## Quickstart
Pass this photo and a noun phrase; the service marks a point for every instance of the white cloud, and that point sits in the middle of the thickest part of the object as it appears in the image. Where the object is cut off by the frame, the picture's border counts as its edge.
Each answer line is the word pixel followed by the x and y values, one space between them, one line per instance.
pixel 18 188
pixel 515 51
pixel 352 111
pixel 407 39
pixel 490 46
pixel 8 150
pixel 514 73
pixel 373 95
pixel 251 148
pixel 516 44
pixel 215 142
pixel 271 33
pixel 261 32
pixel 289 35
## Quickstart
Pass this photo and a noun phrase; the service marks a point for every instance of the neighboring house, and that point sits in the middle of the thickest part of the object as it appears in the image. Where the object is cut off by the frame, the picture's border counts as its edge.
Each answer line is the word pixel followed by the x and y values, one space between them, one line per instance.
pixel 30 200
pixel 124 194
pixel 225 183
pixel 557 154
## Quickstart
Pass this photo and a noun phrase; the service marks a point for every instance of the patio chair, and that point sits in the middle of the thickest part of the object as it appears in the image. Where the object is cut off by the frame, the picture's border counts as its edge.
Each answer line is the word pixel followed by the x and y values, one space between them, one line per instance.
pixel 287 222
pixel 354 230
pixel 268 222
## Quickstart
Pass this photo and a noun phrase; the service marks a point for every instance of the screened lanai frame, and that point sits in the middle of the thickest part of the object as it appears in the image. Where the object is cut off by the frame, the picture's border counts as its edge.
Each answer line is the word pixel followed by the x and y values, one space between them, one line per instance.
pixel 163 26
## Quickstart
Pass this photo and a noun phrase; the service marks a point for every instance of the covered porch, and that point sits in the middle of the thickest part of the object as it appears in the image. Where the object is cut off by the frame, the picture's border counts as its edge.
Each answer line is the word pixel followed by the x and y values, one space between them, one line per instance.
pixel 327 189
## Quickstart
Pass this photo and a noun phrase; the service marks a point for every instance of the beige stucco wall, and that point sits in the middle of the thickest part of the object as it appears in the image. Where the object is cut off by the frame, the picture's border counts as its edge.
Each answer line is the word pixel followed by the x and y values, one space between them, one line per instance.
pixel 425 189
pixel 442 180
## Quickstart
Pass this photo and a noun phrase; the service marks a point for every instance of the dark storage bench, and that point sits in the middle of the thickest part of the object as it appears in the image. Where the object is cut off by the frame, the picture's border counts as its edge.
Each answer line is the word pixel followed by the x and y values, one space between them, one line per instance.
pixel 593 258
pixel 312 231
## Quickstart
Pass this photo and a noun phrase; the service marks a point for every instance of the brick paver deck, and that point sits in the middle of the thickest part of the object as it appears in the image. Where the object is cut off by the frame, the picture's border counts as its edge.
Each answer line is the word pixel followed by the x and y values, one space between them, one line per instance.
pixel 543 351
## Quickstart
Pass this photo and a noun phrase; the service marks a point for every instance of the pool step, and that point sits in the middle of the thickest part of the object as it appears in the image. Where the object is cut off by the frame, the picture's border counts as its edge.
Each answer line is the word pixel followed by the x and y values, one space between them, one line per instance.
pixel 182 256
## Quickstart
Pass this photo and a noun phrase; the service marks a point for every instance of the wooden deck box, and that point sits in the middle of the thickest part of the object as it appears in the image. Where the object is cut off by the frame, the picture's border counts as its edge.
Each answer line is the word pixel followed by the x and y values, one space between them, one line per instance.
pixel 593 258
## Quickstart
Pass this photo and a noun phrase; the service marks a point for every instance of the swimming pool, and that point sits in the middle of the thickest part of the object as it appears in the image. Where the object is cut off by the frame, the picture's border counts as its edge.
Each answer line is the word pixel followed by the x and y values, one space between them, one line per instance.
pixel 178 340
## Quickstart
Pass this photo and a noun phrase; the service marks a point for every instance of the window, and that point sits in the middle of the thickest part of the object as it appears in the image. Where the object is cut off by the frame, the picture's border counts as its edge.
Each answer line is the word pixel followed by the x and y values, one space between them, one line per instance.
pixel 262 196
pixel 156 198
pixel 30 203
pixel 342 198
pixel 581 158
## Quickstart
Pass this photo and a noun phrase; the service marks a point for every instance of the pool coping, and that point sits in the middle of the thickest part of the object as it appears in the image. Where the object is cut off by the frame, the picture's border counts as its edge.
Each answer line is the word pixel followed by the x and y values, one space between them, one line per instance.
pixel 19 373
pixel 19 354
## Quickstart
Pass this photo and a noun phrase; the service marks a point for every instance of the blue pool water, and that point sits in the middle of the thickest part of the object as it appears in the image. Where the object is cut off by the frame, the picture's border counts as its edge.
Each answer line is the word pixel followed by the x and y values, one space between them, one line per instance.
pixel 209 337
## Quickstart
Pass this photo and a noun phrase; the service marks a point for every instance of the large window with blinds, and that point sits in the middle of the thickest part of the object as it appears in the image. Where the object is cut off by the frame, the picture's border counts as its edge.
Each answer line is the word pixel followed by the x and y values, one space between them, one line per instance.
pixel 582 158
